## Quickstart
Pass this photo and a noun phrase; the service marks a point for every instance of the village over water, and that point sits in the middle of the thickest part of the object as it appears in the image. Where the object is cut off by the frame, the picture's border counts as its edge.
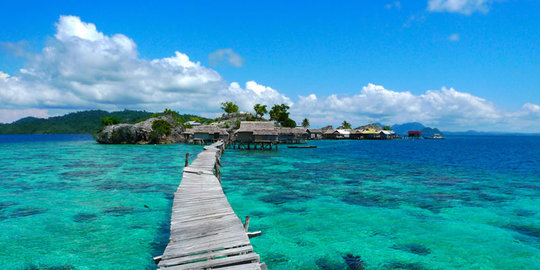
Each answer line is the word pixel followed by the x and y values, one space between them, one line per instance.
pixel 242 129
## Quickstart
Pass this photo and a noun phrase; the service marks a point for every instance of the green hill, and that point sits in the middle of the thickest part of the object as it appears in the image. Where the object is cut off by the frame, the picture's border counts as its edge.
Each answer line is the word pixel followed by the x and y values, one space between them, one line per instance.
pixel 85 122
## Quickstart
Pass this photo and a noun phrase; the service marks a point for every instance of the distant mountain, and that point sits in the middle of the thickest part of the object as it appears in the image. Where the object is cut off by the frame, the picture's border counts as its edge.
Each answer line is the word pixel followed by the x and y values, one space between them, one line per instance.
pixel 85 122
pixel 403 128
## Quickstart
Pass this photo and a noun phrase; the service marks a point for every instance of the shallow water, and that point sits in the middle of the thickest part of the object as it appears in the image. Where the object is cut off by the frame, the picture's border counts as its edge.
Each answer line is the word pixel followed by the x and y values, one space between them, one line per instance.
pixel 69 203
pixel 460 203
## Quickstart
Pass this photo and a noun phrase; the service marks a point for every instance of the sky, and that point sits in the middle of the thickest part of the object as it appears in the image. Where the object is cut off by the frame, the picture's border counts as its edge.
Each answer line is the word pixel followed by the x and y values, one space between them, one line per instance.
pixel 452 64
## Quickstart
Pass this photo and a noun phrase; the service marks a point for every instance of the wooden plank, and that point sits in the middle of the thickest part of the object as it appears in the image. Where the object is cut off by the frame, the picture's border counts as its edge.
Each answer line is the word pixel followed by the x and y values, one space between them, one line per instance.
pixel 247 259
pixel 251 266
pixel 206 256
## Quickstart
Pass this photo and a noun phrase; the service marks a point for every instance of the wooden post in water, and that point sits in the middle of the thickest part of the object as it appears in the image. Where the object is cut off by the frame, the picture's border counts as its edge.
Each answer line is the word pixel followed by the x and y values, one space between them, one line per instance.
pixel 187 160
pixel 246 224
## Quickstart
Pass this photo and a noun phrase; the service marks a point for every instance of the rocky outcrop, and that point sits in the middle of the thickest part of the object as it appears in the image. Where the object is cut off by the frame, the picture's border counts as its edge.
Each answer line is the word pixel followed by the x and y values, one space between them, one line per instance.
pixel 232 120
pixel 141 133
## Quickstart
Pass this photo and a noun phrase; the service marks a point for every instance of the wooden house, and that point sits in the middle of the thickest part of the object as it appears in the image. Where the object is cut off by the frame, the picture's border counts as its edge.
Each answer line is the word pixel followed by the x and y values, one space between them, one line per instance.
pixel 328 133
pixel 205 134
pixel 314 134
pixel 292 135
pixel 414 134
pixel 263 134
pixel 387 134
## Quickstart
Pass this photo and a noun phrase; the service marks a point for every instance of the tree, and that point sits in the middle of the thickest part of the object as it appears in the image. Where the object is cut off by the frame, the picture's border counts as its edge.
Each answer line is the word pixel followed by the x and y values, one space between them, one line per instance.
pixel 229 107
pixel 260 110
pixel 386 128
pixel 160 128
pixel 109 120
pixel 289 123
pixel 346 125
pixel 280 114
pixel 305 123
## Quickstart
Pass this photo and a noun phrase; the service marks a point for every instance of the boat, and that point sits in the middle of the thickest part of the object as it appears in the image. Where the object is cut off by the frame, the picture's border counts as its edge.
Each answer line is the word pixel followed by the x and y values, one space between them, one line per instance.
pixel 301 146
pixel 435 136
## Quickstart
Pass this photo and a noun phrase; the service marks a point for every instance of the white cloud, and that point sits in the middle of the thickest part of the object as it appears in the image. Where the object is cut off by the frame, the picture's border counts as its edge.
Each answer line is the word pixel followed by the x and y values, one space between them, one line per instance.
pixel 446 107
pixel 453 37
pixel 15 48
pixel 82 68
pixel 466 7
pixel 531 108
pixel 228 55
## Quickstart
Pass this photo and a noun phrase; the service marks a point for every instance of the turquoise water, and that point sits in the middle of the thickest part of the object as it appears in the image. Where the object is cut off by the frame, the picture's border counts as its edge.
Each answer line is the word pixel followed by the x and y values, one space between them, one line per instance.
pixel 461 203
pixel 69 203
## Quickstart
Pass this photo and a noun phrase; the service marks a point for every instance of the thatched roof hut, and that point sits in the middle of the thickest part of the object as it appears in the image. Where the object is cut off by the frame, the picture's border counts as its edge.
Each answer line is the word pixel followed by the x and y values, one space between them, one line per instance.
pixel 314 133
pixel 292 135
pixel 206 133
pixel 256 132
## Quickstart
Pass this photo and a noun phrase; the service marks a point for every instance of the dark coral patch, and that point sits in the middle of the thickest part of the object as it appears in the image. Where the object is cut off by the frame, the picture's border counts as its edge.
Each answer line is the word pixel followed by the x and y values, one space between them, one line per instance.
pixel 328 264
pixel 524 213
pixel 119 211
pixel 353 262
pixel 44 267
pixel 371 200
pixel 84 217
pixel 413 248
pixel 284 196
pixel 79 174
pixel 526 230
pixel 26 211
pixel 6 204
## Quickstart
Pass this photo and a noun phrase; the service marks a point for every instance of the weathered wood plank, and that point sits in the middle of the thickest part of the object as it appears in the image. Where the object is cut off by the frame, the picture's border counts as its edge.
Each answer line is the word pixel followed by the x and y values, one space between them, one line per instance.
pixel 206 256
pixel 247 259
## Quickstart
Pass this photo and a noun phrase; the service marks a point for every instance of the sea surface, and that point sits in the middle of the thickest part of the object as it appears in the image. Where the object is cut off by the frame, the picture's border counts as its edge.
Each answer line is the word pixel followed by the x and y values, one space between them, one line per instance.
pixel 67 202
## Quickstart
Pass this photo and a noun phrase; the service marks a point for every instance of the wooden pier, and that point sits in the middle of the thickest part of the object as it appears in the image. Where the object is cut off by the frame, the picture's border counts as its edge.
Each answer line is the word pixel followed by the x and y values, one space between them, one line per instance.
pixel 205 231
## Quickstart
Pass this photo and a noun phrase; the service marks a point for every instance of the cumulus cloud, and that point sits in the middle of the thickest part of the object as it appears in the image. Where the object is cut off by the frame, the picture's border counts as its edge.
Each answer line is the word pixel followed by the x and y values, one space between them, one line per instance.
pixel 227 55
pixel 82 68
pixel 466 7
pixel 18 49
pixel 375 103
pixel 453 37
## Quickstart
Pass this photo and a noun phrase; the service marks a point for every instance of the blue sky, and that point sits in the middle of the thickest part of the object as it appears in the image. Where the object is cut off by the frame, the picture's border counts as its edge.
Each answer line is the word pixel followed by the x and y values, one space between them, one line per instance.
pixel 363 61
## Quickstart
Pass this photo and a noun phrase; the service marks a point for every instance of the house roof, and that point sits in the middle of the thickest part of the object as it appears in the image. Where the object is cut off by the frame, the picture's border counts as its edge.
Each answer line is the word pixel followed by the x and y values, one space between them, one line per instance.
pixel 251 126
pixel 265 132
pixel 291 131
pixel 314 130
pixel 343 131
pixel 370 131
pixel 388 132
pixel 206 129
pixel 328 131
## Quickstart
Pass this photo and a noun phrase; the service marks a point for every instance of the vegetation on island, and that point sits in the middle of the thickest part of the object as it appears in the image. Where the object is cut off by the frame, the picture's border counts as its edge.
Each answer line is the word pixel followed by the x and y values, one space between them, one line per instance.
pixel 280 114
pixel 260 110
pixel 229 107
pixel 305 123
pixel 160 128
pixel 83 122
pixel 110 120
pixel 87 122
pixel 346 125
